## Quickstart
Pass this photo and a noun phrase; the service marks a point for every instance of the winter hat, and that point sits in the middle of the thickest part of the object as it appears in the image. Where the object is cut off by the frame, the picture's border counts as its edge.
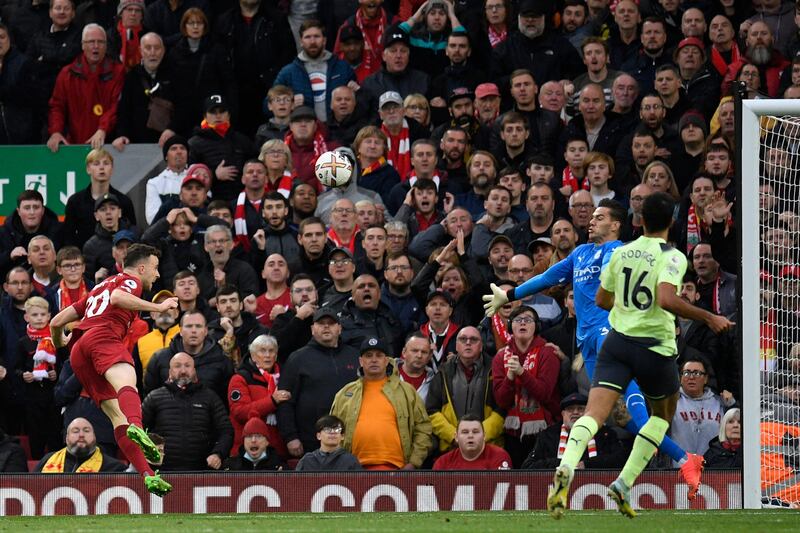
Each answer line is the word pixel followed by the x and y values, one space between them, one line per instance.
pixel 693 117
pixel 175 139
pixel 44 358
pixel 128 3
pixel 255 426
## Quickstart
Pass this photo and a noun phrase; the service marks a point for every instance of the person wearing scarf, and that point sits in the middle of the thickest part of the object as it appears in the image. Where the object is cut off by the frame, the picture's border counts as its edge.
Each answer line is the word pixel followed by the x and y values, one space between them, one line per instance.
pixel 372 20
pixel 344 232
pixel 439 328
pixel 249 200
pixel 395 127
pixel 525 382
pixel 378 172
pixel 724 50
pixel 81 454
pixel 306 141
pixel 128 30
pixel 277 157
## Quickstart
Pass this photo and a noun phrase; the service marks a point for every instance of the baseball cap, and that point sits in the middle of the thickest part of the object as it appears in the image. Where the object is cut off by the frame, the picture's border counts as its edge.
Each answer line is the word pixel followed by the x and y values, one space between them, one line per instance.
pixel 538 242
pixel 192 174
pixel 325 312
pixel 691 41
pixel 213 101
pixel 576 398
pixel 106 198
pixel 498 239
pixel 302 112
pixel 395 35
pixel 440 293
pixel 458 93
pixel 535 7
pixel 390 97
pixel 486 89
pixel 340 250
pixel 349 33
pixel 124 235
pixel 161 295
pixel 373 343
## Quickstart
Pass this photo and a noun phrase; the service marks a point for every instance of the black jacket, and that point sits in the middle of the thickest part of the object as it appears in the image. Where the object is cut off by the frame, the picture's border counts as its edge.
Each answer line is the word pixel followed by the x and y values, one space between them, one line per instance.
pixel 71 463
pixel 245 334
pixel 12 234
pixel 237 272
pixel 548 57
pixel 718 457
pixel 611 452
pixel 193 421
pixel 291 333
pixel 214 370
pixel 22 100
pixel 608 139
pixel 12 456
pixel 238 463
pixel 407 82
pixel 313 374
pixel 206 146
pixel 179 255
pixel 319 461
pixel 317 268
pixel 79 222
pixel 161 19
pixel 97 250
pixel 67 395
pixel 52 51
pixel 360 324
pixel 133 109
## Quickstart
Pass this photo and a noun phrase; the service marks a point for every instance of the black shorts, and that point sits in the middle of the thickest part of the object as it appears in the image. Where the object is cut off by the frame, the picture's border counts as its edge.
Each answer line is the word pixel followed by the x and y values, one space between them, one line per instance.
pixel 623 358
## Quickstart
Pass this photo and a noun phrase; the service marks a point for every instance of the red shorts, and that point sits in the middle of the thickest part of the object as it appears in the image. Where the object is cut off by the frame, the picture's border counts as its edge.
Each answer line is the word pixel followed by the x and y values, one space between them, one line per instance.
pixel 93 354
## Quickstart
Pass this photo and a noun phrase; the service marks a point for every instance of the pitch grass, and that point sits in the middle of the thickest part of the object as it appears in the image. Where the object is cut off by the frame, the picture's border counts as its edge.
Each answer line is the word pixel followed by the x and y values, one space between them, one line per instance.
pixel 473 522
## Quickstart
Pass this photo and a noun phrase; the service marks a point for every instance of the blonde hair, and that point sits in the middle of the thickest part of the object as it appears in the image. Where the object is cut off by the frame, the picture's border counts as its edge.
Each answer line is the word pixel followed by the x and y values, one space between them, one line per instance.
pixel 594 157
pixel 36 301
pixel 673 187
pixel 271 145
pixel 367 132
pixel 97 154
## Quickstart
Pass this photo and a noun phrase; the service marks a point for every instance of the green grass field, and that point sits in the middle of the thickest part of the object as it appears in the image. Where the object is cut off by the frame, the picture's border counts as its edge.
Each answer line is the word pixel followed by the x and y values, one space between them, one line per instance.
pixel 442 522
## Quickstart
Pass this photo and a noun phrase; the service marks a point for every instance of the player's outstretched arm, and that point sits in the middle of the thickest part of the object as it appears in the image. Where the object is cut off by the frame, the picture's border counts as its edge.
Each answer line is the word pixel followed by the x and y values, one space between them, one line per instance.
pixel 64 317
pixel 668 299
pixel 126 300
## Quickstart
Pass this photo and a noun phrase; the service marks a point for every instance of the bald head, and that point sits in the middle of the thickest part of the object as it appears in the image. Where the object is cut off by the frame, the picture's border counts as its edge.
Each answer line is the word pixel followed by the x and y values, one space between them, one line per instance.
pixel 181 369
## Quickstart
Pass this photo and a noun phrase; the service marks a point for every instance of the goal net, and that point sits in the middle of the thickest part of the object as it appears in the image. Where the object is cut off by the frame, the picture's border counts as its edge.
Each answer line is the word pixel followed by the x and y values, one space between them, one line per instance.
pixel 768 141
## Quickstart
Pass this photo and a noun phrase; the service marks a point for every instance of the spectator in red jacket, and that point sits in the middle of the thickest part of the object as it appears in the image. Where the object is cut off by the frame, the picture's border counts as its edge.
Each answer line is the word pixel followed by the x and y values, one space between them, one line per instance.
pixel 252 392
pixel 83 107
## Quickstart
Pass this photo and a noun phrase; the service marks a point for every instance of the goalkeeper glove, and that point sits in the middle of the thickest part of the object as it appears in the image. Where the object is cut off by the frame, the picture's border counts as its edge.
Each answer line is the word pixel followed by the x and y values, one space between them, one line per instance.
pixel 494 301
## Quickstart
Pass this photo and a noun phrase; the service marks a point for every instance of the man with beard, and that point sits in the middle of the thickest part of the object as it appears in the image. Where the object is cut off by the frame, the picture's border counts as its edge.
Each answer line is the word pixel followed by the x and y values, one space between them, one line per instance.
pixel 501 250
pixel 651 54
pixel 315 72
pixel 454 146
pixel 351 46
pixel 364 316
pixel 459 73
pixel 191 418
pixel 700 83
pixel 396 293
pixel 760 52
pixel 462 115
pixel 165 328
pixel 574 19
pixel 779 16
pixel 482 171
pixel 651 115
pixel 540 204
pixel 292 328
pixel 276 236
pixel 303 201
pixel 487 103
pixel 81 454
pixel 546 54
pixel 716 288
pixel 564 238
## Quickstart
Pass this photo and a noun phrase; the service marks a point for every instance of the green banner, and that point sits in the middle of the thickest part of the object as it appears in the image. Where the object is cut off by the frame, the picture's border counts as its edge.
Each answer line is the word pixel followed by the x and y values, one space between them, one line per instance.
pixel 55 175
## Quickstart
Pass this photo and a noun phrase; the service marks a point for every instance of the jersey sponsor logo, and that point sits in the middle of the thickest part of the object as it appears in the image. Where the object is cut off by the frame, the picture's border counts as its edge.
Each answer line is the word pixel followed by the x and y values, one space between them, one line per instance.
pixel 588 271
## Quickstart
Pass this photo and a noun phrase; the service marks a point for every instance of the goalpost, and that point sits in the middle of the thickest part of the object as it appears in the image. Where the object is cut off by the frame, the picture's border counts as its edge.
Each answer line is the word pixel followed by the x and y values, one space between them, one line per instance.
pixel 768 157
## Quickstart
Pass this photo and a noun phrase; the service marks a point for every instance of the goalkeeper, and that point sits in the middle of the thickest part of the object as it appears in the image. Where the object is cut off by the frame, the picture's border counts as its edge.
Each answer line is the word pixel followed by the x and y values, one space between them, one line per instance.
pixel 582 268
pixel 639 285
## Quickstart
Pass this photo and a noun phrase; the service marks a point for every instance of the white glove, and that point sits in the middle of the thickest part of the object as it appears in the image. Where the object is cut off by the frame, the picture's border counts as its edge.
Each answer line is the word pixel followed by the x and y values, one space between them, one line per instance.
pixel 494 301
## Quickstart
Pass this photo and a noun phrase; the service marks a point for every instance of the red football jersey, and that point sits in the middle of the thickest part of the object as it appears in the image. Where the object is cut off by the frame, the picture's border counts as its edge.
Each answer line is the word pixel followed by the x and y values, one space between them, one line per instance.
pixel 97 312
pixel 492 458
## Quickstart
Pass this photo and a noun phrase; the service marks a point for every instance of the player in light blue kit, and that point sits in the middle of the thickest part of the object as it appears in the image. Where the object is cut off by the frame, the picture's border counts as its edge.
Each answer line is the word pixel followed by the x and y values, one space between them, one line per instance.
pixel 582 268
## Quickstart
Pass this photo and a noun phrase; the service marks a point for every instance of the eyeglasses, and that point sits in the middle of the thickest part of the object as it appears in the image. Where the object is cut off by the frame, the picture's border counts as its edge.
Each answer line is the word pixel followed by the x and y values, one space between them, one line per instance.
pixel 469 340
pixel 331 431
pixel 398 268
pixel 71 266
pixel 340 210
pixel 340 262
pixel 582 206
pixel 693 373
pixel 301 290
pixel 524 320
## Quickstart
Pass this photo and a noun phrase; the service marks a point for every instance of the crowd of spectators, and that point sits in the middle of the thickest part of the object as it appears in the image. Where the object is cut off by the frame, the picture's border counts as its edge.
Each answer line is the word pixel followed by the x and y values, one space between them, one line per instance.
pixel 343 327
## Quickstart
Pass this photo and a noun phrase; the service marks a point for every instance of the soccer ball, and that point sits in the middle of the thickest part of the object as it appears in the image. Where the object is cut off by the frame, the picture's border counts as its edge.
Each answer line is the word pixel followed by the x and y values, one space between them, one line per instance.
pixel 333 169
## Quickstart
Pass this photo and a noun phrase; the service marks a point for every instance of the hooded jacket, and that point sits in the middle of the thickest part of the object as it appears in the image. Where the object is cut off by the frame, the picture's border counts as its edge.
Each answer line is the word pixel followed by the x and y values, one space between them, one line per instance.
pixel 413 423
pixel 696 421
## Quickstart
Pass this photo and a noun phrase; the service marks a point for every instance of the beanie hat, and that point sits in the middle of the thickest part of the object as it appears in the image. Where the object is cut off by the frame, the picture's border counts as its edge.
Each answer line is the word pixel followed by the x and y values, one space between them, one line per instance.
pixel 175 139
pixel 255 426
pixel 693 117
pixel 44 358
pixel 128 3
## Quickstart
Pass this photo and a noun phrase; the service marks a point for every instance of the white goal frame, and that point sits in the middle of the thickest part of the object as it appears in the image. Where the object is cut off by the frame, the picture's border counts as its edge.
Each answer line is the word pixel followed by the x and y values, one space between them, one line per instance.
pixel 748 113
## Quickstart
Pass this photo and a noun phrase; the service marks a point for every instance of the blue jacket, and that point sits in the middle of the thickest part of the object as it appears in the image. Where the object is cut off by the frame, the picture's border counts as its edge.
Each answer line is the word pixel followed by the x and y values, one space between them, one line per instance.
pixel 294 75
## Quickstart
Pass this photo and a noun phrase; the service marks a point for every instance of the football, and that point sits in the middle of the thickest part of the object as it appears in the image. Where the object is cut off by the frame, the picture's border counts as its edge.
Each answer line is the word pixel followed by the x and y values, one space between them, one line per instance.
pixel 333 169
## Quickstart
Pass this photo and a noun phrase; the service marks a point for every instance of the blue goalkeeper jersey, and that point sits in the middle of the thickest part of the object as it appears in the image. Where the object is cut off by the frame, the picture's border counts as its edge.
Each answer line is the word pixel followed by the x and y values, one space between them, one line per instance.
pixel 582 267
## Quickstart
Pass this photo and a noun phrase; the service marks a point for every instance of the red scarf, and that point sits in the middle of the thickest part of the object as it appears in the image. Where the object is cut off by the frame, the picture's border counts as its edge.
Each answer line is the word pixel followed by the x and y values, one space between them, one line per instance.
pixel 64 299
pixel 425 222
pixel 240 220
pixel 372 29
pixel 719 62
pixel 496 37
pixel 37 334
pixel 320 146
pixel 500 331
pixel 412 179
pixel 438 353
pixel 350 245
pixel 695 228
pixel 221 129
pixel 399 149
pixel 130 54
pixel 562 444
pixel 569 178
pixel 526 416
pixel 283 184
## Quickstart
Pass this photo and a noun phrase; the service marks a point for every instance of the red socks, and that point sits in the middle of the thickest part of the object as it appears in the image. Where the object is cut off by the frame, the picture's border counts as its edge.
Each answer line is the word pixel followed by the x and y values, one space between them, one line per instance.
pixel 130 404
pixel 132 451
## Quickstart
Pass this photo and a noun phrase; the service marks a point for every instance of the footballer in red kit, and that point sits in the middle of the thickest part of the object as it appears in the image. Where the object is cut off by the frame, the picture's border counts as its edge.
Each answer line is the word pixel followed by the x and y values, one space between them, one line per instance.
pixel 103 364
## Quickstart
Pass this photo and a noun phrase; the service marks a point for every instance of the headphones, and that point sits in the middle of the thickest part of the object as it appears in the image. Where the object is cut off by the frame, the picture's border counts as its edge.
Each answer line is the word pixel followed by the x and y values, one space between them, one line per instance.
pixel 536 320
